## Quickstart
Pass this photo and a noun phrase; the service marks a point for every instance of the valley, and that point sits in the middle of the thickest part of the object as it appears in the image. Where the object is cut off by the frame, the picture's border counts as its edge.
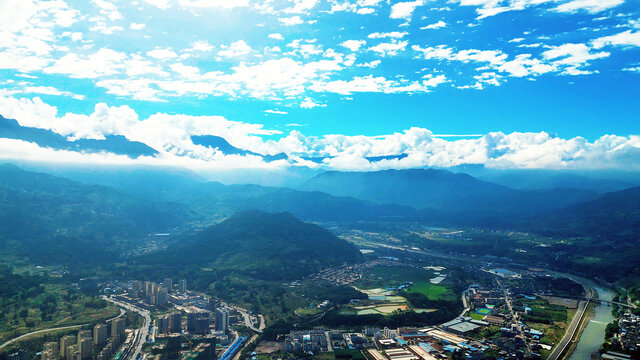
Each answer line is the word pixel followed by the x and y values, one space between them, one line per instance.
pixel 283 260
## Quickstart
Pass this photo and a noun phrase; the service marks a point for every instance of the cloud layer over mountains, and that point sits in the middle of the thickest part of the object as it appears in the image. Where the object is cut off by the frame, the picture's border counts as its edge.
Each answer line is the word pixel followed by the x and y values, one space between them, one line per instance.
pixel 171 136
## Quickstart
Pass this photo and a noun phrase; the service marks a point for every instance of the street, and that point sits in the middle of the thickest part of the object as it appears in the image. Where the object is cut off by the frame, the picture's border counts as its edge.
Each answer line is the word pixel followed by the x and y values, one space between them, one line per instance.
pixel 132 351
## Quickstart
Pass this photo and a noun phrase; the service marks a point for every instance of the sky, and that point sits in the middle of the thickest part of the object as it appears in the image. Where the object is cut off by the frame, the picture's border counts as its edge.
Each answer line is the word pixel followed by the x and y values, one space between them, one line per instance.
pixel 503 83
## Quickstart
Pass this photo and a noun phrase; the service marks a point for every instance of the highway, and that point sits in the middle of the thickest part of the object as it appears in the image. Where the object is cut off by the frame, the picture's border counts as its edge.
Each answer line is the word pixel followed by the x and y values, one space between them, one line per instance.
pixel 44 331
pixel 560 350
pixel 22 337
pixel 135 347
pixel 247 320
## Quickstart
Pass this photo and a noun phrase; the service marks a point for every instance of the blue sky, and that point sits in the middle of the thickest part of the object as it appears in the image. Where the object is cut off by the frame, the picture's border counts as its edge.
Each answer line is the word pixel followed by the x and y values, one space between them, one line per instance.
pixel 568 69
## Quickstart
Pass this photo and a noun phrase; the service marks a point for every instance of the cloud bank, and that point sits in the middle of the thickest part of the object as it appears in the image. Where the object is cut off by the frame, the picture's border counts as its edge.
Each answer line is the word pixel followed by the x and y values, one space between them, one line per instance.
pixel 171 135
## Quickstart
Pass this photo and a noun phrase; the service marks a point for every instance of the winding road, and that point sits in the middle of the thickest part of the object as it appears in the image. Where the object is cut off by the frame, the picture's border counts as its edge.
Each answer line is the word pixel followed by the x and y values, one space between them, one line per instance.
pixel 53 329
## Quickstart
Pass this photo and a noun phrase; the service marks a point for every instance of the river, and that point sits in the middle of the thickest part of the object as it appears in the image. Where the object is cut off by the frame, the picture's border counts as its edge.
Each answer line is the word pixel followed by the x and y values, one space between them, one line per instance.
pixel 593 335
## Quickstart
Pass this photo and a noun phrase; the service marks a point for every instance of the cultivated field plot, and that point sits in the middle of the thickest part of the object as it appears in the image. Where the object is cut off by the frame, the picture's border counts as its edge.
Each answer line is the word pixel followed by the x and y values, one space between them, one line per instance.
pixel 384 309
pixel 432 291
pixel 387 289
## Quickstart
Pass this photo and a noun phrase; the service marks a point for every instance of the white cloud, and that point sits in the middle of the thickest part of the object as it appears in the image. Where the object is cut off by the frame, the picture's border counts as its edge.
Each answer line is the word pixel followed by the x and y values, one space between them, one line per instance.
pixel 365 11
pixel 136 26
pixel 103 28
pixel 436 25
pixel 162 54
pixel 162 4
pixel 276 36
pixel 200 45
pixel 377 84
pixel 443 52
pixel 108 9
pixel 235 49
pixel 567 59
pixel 574 56
pixel 277 112
pixel 212 4
pixel 591 6
pixel 635 69
pixel 626 38
pixel 353 45
pixel 170 135
pixel 524 65
pixel 487 8
pixel 392 34
pixel 301 6
pixel 26 88
pixel 308 103
pixel 101 63
pixel 291 21
pixel 361 7
pixel 404 10
pixel 389 49
pixel 371 64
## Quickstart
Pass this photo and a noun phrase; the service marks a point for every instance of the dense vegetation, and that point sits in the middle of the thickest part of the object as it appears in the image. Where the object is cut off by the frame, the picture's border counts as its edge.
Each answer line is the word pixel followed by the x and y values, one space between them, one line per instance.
pixel 263 246
pixel 441 190
pixel 32 302
pixel 55 220
pixel 246 258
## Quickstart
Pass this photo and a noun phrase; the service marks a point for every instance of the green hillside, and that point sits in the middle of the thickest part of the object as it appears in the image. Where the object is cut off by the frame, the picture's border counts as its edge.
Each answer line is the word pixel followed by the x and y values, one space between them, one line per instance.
pixel 55 220
pixel 264 246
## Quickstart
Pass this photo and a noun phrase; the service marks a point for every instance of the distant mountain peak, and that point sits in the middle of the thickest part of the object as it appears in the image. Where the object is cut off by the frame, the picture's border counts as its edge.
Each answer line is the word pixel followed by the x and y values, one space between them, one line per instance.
pixel 116 144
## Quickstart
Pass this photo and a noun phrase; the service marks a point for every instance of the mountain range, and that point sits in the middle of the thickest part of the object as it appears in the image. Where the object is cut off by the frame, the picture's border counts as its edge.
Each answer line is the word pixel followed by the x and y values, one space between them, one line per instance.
pixel 116 144
pixel 54 219
pixel 72 217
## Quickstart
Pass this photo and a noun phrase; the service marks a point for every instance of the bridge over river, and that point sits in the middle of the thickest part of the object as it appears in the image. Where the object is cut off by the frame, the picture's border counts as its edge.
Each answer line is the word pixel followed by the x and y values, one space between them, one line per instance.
pixel 593 299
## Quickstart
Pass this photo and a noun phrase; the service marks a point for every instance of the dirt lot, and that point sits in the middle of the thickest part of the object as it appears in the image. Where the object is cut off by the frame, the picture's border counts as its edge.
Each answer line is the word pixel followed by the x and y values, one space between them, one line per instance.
pixel 268 347
pixel 568 303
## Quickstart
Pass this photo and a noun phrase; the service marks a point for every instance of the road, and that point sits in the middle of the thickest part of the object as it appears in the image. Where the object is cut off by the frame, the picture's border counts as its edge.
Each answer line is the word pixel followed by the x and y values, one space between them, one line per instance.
pixel 252 339
pixel 133 350
pixel 464 303
pixel 507 299
pixel 44 331
pixel 560 349
pixel 248 323
pixel 22 337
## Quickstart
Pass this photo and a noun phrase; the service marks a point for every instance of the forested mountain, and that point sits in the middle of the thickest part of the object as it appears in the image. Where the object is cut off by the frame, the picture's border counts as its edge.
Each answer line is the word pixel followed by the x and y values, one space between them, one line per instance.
pixel 442 190
pixel 219 200
pixel 262 245
pixel 612 216
pixel 58 220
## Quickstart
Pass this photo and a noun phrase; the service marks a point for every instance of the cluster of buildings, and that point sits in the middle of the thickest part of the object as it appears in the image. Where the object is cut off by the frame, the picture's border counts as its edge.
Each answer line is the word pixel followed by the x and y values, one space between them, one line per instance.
pixel 434 343
pixel 195 321
pixel 181 347
pixel 309 341
pixel 627 338
pixel 155 294
pixel 503 309
pixel 496 330
pixel 101 343
pixel 348 274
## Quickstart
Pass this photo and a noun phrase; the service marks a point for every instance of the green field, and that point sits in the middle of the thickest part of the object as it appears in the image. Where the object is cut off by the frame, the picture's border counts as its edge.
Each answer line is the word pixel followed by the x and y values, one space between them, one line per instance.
pixel 392 276
pixel 57 305
pixel 432 291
